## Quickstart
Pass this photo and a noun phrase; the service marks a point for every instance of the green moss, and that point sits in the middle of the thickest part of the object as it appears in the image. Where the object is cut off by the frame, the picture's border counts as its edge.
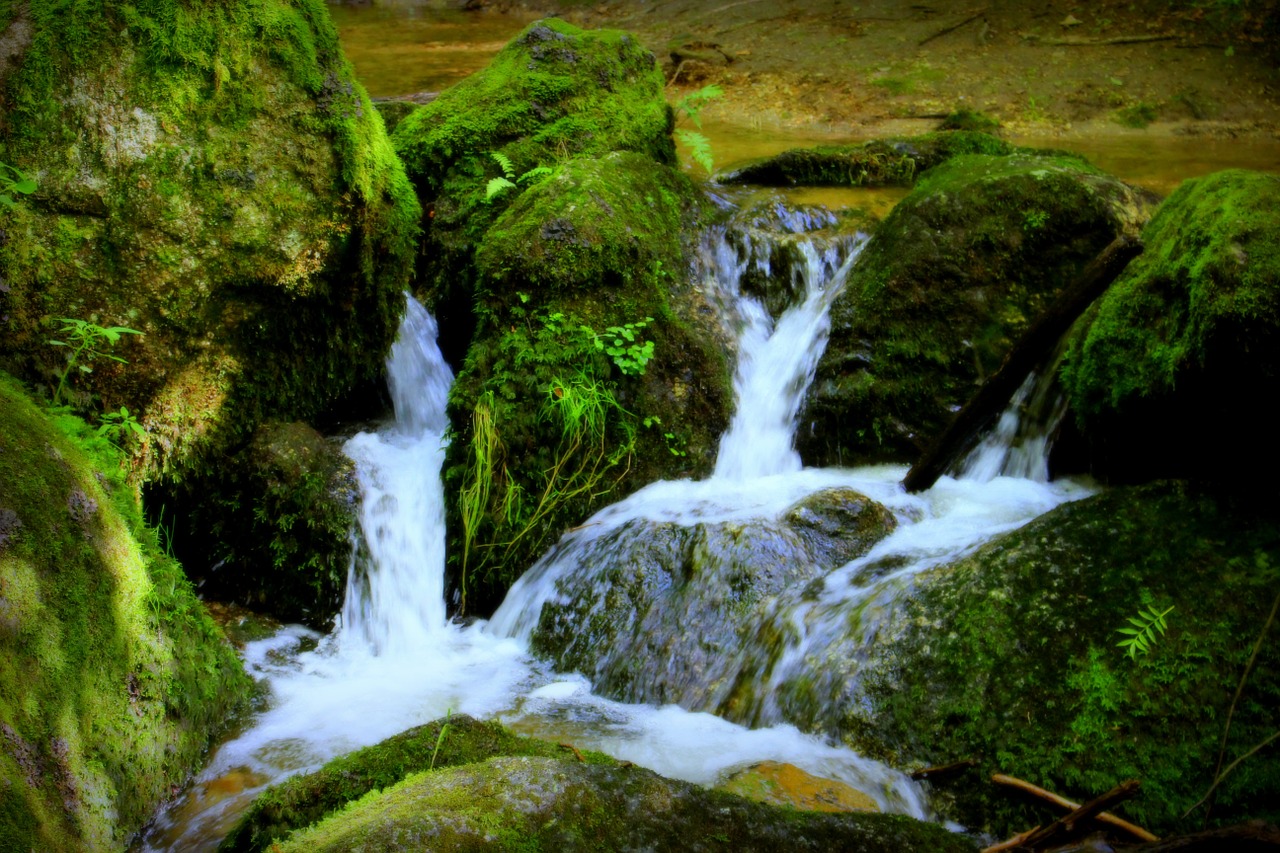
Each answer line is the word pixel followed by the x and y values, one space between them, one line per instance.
pixel 599 243
pixel 113 679
pixel 210 174
pixel 969 119
pixel 1186 335
pixel 533 804
pixel 303 800
pixel 956 272
pixel 1010 656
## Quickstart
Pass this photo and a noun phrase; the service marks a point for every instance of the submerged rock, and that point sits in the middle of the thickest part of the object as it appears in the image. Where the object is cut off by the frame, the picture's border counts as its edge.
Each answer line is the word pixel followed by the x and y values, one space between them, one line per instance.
pixel 1011 657
pixel 788 785
pixel 956 272
pixel 210 175
pixel 114 679
pixel 544 804
pixel 681 613
pixel 1163 374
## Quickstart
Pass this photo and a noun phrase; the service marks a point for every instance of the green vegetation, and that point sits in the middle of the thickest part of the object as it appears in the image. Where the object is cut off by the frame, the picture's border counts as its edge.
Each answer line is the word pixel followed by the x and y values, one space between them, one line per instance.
pixel 690 107
pixel 1009 657
pixel 1143 631
pixel 1137 115
pixel 86 342
pixel 121 425
pixel 13 181
pixel 508 179
pixel 113 679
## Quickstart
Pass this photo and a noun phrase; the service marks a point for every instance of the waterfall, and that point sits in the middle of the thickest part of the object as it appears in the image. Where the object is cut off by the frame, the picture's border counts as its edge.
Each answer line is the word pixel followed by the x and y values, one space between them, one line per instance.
pixel 395 586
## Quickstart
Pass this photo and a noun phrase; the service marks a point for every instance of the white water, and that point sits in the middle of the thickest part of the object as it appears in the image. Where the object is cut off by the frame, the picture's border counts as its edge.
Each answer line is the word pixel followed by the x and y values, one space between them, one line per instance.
pixel 396 662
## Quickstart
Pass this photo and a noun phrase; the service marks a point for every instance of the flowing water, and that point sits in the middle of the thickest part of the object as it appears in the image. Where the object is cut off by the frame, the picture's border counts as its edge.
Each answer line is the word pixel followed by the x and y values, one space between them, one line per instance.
pixel 396 662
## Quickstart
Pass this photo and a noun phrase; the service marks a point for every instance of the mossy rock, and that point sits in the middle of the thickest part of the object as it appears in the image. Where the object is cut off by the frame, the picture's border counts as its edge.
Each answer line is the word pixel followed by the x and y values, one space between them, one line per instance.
pixel 274 532
pixel 209 174
pixel 113 679
pixel 671 613
pixel 878 163
pixel 536 804
pixel 303 800
pixel 1010 656
pixel 954 275
pixel 1164 374
pixel 598 245
pixel 554 93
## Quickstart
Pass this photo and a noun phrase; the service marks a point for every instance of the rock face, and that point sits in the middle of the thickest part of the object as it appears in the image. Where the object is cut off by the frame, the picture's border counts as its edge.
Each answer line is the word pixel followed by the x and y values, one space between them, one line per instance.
pixel 535 804
pixel 210 175
pixel 114 679
pixel 1163 374
pixel 957 271
pixel 586 362
pixel 681 613
pixel 1010 656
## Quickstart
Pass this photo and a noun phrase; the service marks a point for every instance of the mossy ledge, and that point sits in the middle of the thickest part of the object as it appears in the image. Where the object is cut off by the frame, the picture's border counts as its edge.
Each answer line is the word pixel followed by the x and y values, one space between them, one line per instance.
pixel 1011 657
pixel 113 679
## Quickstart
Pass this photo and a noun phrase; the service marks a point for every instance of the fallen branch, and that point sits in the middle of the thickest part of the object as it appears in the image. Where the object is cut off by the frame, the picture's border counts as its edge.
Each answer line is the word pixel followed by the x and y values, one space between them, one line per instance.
pixel 944 769
pixel 1012 843
pixel 1073 41
pixel 1232 766
pixel 1092 809
pixel 942 32
pixel 1064 803
pixel 576 752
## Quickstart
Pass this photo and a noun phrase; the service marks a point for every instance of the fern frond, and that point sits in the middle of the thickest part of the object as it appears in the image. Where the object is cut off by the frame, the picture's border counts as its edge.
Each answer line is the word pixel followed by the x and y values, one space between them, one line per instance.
pixel 505 162
pixel 1148 626
pixel 691 104
pixel 699 147
pixel 495 186
pixel 534 174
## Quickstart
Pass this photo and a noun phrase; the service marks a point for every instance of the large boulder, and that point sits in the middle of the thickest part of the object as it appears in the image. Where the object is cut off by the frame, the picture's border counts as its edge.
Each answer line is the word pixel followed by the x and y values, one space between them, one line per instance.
pixel 525 803
pixel 956 272
pixel 587 363
pixel 1163 374
pixel 113 679
pixel 1011 657
pixel 662 613
pixel 209 174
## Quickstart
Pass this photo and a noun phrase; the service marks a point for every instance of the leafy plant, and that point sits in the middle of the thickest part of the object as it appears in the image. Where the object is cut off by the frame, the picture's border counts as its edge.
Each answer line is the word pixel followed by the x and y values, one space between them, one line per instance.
pixel 122 423
pixel 690 107
pixel 619 343
pixel 1146 628
pixel 444 730
pixel 13 180
pixel 508 180
pixel 87 341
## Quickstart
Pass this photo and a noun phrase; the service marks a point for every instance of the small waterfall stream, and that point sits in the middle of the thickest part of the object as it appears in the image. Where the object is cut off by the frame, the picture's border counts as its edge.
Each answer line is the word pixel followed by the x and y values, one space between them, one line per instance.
pixel 396 662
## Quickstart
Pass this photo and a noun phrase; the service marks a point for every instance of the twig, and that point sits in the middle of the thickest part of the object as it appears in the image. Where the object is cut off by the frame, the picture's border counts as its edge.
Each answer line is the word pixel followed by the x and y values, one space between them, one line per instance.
pixel 973 16
pixel 1235 700
pixel 944 769
pixel 1064 803
pixel 1074 41
pixel 577 754
pixel 1091 809
pixel 1230 767
pixel 1012 843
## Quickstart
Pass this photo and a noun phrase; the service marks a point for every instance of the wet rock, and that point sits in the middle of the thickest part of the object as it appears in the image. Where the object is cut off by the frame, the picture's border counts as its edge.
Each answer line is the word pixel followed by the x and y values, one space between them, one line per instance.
pixel 114 679
pixel 1163 375
pixel 682 614
pixel 955 273
pixel 544 804
pixel 1011 657
pixel 787 785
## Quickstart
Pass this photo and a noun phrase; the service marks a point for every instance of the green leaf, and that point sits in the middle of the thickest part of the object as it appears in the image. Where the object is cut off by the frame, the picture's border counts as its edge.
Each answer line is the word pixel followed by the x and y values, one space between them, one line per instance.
pixel 496 186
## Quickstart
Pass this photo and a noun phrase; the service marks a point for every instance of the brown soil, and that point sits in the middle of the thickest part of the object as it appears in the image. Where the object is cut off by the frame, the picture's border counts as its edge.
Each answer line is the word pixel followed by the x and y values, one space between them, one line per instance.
pixel 861 69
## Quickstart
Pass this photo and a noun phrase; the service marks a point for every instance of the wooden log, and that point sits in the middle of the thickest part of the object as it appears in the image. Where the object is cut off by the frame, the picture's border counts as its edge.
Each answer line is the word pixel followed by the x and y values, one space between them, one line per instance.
pixel 986 405
pixel 1012 843
pixel 1063 803
pixel 1067 824
pixel 940 770
pixel 1079 41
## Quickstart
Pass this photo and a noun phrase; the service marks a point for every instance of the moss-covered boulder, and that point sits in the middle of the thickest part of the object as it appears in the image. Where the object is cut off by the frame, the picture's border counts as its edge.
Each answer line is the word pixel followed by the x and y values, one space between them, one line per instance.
pixel 303 800
pixel 113 679
pixel 210 175
pixel 956 272
pixel 541 804
pixel 274 533
pixel 662 612
pixel 877 163
pixel 1010 657
pixel 556 235
pixel 1164 374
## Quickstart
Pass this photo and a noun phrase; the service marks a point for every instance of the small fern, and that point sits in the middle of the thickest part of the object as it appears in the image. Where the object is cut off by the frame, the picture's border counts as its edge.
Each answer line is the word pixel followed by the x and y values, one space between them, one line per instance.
pixel 509 181
pixel 534 174
pixel 496 186
pixel 1147 627
pixel 699 147
pixel 691 104
pixel 505 162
